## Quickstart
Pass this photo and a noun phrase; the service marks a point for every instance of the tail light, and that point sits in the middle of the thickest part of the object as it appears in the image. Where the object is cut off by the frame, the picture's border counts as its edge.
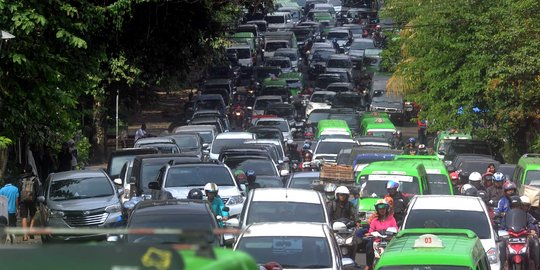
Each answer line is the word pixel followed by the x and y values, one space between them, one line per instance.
pixel 370 133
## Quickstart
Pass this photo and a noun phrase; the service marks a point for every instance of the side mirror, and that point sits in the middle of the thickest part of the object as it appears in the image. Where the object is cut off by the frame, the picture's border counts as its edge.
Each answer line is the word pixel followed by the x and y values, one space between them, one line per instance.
pixel 41 199
pixel 205 145
pixel 154 185
pixel 232 223
pixel 293 129
pixel 228 239
pixel 118 181
pixel 121 191
pixel 284 172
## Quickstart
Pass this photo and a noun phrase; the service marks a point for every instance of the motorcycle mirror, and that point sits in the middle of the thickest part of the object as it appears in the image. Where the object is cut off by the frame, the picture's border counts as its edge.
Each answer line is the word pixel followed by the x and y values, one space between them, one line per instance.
pixel 392 230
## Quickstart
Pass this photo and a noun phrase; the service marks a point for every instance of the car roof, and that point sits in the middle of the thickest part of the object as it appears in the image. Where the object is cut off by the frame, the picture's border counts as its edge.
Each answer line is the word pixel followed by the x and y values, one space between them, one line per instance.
pixel 235 135
pixel 269 97
pixel 324 93
pixel 285 229
pixel 277 13
pixel 447 202
pixel 184 207
pixel 340 57
pixel 337 140
pixel 175 157
pixel 286 195
pixel 264 128
pixel 133 151
pixel 77 174
pixel 340 84
pixel 271 119
pixel 239 46
pixel 155 140
pixel 305 174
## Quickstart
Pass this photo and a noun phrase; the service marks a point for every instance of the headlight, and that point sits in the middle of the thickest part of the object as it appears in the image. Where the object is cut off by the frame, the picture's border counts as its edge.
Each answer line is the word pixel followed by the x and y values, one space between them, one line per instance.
pixel 448 162
pixel 237 113
pixel 348 241
pixel 56 214
pixel 113 208
pixel 237 199
pixel 340 240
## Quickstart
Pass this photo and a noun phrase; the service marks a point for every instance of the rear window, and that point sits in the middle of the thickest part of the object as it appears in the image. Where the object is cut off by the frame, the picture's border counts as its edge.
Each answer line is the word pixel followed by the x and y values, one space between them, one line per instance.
pixel 467 148
pixel 438 184
pixel 532 177
pixel 285 212
pixel 198 176
pixel 376 185
pixel 454 219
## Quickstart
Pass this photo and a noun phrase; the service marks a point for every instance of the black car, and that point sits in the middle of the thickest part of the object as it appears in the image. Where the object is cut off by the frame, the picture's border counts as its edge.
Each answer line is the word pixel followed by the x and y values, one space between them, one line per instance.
pixel 326 79
pixel 392 105
pixel 189 215
pixel 118 158
pixel 350 116
pixel 457 147
pixel 286 111
pixel 351 100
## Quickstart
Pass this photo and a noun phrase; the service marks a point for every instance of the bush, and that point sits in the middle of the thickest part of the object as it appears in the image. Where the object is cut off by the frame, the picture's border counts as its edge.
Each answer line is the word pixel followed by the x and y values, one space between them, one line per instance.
pixel 83 152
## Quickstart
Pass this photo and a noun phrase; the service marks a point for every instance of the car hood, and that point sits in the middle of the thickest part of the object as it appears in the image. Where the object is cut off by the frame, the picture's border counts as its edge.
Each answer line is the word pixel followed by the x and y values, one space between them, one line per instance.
pixel 246 62
pixel 356 52
pixel 317 63
pixel 83 204
pixel 317 105
pixel 330 70
pixel 182 192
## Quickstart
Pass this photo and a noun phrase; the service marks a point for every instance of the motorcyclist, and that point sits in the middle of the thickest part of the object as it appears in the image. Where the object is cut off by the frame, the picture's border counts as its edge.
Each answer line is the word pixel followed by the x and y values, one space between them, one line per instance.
pixel 211 190
pixel 397 142
pixel 456 185
pixel 195 194
pixel 475 179
pixel 487 180
pixel 379 38
pixel 469 190
pixel 293 152
pixel 422 150
pixel 330 191
pixel 491 168
pixel 503 206
pixel 383 221
pixel 410 147
pixel 240 176
pixel 340 207
pixel 251 178
pixel 400 200
pixel 496 192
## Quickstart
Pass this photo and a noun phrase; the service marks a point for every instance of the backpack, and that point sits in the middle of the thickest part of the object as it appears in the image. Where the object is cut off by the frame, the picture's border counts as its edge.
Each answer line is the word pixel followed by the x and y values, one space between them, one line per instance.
pixel 27 189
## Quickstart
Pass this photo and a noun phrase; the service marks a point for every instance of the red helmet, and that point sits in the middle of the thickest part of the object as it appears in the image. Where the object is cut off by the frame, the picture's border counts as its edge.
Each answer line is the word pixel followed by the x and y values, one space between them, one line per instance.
pixel 509 185
pixel 273 266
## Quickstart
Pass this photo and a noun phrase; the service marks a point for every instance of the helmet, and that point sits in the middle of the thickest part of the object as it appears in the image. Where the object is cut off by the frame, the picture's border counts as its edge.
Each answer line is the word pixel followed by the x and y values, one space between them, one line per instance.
pixel 509 185
pixel 381 204
pixel 475 176
pixel 250 175
pixel 398 132
pixel 515 201
pixel 306 146
pixel 421 147
pixel 488 177
pixel 195 194
pixel 211 187
pixel 499 177
pixel 392 184
pixel 330 187
pixel 412 140
pixel 454 176
pixel 342 190
pixel 525 200
pixel 469 190
pixel 239 175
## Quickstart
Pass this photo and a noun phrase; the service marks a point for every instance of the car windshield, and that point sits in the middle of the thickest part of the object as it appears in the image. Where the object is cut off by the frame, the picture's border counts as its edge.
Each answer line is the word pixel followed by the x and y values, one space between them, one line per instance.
pixel 240 53
pixel 477 222
pixel 322 55
pixel 275 19
pixel 532 177
pixel 362 45
pixel 265 211
pixel 304 182
pixel 269 182
pixel 162 148
pixel 117 163
pixel 265 73
pixel 273 46
pixel 280 112
pixel 186 141
pixel 260 166
pixel 294 83
pixel 80 188
pixel 376 185
pixel 200 222
pixel 292 252
pixel 262 104
pixel 321 98
pixel 338 36
pixel 149 172
pixel 291 56
pixel 268 134
pixel 351 119
pixel 301 34
pixel 206 136
pixel 469 148
pixel 332 147
pixel 438 184
pixel 348 101
pixel 315 117
pixel 209 105
pixel 323 81
pixel 335 63
pixel 188 176
pixel 282 125
pixel 219 144
pixel 278 63
pixel 443 145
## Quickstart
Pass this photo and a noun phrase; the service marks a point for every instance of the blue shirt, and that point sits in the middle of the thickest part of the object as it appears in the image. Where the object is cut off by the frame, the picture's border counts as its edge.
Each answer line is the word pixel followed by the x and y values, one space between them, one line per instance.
pixel 503 206
pixel 12 193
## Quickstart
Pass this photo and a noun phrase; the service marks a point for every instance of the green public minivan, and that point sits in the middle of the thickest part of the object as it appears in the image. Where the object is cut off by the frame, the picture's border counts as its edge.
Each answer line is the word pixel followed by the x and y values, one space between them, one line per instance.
pixel 434 249
pixel 437 176
pixel 333 127
pixel 527 171
pixel 377 126
pixel 444 138
pixel 411 175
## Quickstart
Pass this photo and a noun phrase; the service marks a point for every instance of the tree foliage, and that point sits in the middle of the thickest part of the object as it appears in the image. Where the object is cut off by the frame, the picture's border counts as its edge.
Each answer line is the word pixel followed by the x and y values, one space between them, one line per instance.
pixel 471 53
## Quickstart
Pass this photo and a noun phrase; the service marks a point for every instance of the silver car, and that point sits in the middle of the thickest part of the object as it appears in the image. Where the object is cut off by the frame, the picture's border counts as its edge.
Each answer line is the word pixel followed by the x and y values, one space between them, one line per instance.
pixel 76 199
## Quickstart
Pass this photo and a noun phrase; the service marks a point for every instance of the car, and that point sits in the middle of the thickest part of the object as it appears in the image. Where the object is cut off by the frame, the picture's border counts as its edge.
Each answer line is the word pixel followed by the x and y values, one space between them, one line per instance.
pixel 229 139
pixel 390 104
pixel 356 30
pixel 350 116
pixel 324 79
pixel 207 132
pixel 261 165
pixel 339 87
pixel 318 60
pixel 175 182
pixel 357 49
pixel 327 149
pixel 276 143
pixel 282 205
pixel 284 63
pixel 215 121
pixel 161 144
pixel 188 143
pixel 212 113
pixel 280 123
pixel 290 53
pixel 267 151
pixel 81 198
pixel 271 46
pixel 304 36
pixel 262 102
pixel 226 84
pixel 457 147
pixel 372 61
pixel 262 25
pixel 319 100
pixel 507 169
pixel 303 180
pixel 119 157
pixel 317 115
pixel 286 111
pixel 527 171
pixel 455 212
pixel 263 132
pixel 265 181
pixel 342 36
pixel 261 73
pixel 374 141
pixel 172 214
pixel 444 138
pixel 278 20
pixel 295 245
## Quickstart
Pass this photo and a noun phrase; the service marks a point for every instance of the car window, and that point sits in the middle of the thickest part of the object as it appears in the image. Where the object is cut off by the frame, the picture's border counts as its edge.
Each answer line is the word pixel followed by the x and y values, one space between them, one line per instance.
pixel 117 163
pixel 334 63
pixel 362 45
pixel 266 134
pixel 282 125
pixel 284 211
pixel 338 35
pixel 219 144
pixel 332 147
pixel 532 177
pixel 275 19
pixel 260 166
pixel 278 63
pixel 186 141
pixel 377 185
pixel 80 188
pixel 291 252
pixel 438 184
pixel 273 46
pixel 315 117
pixel 206 136
pixel 262 104
pixel 187 176
pixel 460 219
pixel 304 182
pixel 321 98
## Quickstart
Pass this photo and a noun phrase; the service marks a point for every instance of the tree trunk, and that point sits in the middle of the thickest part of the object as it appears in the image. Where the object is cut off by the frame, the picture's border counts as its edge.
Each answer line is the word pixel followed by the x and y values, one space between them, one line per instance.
pixel 99 140
pixel 4 154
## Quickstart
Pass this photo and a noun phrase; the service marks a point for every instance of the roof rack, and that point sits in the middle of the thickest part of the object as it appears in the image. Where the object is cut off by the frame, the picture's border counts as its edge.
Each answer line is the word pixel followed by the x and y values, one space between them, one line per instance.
pixel 531 155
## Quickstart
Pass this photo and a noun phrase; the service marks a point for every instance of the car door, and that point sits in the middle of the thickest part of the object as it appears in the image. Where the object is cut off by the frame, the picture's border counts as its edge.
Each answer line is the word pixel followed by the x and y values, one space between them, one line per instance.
pixel 43 210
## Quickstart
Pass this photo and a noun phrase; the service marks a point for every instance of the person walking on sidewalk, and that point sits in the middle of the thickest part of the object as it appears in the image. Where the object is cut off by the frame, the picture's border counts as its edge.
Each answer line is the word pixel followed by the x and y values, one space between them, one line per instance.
pixel 30 190
pixel 11 192
pixel 141 132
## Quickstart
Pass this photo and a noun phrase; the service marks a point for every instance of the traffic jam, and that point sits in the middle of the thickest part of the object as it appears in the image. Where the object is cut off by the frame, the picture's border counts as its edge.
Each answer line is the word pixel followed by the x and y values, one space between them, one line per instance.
pixel 293 155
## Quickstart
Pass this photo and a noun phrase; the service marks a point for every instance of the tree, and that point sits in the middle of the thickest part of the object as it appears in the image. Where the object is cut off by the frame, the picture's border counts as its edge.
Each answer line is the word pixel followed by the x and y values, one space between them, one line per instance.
pixel 472 54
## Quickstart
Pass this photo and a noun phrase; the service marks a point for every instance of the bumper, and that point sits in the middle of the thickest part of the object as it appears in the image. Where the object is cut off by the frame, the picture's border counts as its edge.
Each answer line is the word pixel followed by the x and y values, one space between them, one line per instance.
pixel 113 220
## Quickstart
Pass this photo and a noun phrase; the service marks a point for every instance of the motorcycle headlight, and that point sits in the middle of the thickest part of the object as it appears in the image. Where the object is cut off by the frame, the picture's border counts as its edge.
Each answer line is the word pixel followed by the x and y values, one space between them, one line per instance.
pixel 492 255
pixel 340 240
pixel 56 214
pixel 113 208
pixel 349 240
pixel 237 113
pixel 237 199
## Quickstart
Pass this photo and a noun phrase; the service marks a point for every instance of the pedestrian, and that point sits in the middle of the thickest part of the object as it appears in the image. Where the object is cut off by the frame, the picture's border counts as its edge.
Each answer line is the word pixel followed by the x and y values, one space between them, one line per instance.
pixel 73 152
pixel 141 132
pixel 30 190
pixel 11 192
pixel 422 127
pixel 64 158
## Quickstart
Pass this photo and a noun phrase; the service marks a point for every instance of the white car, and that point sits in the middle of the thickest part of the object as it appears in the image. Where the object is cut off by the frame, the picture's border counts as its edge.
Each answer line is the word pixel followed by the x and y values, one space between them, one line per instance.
pixel 294 245
pixel 223 140
pixel 460 212
pixel 280 123
pixel 319 100
pixel 282 205
pixel 328 149
pixel 261 102
pixel 278 20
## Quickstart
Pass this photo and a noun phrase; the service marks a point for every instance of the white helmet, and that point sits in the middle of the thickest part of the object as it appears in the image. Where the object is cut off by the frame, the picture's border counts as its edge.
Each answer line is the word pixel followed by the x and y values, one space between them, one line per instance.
pixel 342 190
pixel 330 187
pixel 211 187
pixel 525 200
pixel 475 177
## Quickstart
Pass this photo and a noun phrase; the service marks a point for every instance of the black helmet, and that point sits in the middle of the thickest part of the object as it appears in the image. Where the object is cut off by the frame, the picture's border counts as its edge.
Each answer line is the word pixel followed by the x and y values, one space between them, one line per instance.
pixel 195 194
pixel 515 201
pixel 469 190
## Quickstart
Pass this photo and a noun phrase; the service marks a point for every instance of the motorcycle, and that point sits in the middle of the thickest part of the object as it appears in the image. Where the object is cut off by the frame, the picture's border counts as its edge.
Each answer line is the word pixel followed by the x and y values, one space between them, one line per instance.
pixel 381 242
pixel 516 237
pixel 345 230
pixel 238 115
